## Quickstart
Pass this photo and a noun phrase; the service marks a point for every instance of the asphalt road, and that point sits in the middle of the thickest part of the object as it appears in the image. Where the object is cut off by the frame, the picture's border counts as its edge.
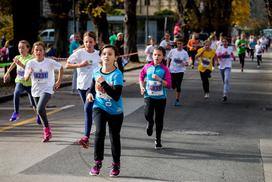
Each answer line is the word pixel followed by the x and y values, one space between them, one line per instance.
pixel 204 140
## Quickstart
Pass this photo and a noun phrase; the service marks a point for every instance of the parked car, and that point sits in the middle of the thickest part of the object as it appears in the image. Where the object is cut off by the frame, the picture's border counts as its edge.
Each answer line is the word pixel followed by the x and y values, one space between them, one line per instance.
pixel 47 35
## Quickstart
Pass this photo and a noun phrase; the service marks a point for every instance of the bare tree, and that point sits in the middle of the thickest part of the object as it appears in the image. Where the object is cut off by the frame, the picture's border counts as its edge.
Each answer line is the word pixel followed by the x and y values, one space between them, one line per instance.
pixel 131 29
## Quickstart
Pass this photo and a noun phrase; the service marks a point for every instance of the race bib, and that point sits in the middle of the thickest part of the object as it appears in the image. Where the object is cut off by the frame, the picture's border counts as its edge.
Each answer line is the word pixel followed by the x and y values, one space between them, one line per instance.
pixel 178 61
pixel 205 62
pixel 41 77
pixel 155 88
pixel 20 74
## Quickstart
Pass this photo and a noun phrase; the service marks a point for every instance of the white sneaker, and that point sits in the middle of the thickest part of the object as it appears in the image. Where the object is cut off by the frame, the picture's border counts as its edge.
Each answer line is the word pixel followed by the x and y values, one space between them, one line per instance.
pixel 206 96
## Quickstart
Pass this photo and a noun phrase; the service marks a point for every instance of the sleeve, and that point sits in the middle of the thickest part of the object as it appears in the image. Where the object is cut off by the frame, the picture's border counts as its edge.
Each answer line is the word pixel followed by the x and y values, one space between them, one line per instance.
pixel 56 65
pixel 167 77
pixel 73 58
pixel 114 91
pixel 143 73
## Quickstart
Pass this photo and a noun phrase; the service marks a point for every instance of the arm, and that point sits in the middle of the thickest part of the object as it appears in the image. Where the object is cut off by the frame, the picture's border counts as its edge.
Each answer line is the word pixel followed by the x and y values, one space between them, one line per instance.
pixel 58 82
pixel 91 92
pixel 114 91
pixel 77 65
pixel 6 75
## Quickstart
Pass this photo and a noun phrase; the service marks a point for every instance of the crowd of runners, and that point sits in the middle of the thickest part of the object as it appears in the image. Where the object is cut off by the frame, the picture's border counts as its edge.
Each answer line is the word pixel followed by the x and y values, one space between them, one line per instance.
pixel 99 82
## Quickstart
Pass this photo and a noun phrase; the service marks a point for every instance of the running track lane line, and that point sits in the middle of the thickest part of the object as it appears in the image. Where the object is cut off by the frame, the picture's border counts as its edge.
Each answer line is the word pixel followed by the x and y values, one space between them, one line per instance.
pixel 30 120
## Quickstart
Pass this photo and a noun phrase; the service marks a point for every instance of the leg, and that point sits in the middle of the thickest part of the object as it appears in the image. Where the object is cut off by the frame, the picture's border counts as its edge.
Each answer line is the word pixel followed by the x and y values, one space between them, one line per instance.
pixel 115 124
pixel 41 103
pixel 16 97
pixel 31 100
pixel 205 81
pixel 159 114
pixel 74 81
pixel 226 81
pixel 88 107
pixel 149 113
pixel 100 119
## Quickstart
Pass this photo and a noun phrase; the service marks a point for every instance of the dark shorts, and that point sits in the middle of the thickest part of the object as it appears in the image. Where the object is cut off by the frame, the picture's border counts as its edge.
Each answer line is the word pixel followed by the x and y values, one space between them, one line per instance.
pixel 176 80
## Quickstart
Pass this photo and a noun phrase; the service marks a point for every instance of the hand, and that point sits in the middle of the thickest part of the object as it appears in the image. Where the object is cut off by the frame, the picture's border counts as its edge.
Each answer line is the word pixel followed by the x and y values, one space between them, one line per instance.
pixel 90 97
pixel 57 85
pixel 6 77
pixel 142 90
pixel 84 63
pixel 100 79
pixel 156 77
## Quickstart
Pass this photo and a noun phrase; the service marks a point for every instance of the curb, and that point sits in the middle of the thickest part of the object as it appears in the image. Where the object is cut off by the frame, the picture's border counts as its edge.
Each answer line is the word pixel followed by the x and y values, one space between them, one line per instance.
pixel 64 84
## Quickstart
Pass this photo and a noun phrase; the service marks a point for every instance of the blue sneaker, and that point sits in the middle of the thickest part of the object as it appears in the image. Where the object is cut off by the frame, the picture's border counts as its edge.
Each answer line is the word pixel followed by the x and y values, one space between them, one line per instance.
pixel 177 103
pixel 38 120
pixel 14 116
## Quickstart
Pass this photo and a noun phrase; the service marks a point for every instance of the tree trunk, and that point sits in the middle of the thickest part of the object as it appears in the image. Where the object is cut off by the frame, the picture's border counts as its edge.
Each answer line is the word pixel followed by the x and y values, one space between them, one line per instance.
pixel 25 20
pixel 103 28
pixel 60 14
pixel 131 29
pixel 268 5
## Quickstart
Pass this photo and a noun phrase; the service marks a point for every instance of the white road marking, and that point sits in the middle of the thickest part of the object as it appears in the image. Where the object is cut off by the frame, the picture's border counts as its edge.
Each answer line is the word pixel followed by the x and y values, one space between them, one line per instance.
pixel 266 152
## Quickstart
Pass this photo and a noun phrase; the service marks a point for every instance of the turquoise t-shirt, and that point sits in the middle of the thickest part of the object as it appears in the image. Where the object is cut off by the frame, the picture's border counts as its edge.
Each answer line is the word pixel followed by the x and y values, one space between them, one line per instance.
pixel 102 99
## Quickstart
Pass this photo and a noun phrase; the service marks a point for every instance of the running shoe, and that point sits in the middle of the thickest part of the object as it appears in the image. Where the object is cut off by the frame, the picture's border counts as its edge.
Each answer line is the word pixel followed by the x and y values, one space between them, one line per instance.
pixel 115 171
pixel 47 135
pixel 224 99
pixel 177 103
pixel 207 95
pixel 149 129
pixel 95 170
pixel 38 120
pixel 14 116
pixel 158 145
pixel 84 142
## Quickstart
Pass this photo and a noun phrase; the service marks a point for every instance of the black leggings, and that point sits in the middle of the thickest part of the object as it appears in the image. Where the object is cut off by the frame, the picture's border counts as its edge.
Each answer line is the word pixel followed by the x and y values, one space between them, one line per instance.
pixel 176 80
pixel 242 59
pixel 100 118
pixel 205 80
pixel 157 105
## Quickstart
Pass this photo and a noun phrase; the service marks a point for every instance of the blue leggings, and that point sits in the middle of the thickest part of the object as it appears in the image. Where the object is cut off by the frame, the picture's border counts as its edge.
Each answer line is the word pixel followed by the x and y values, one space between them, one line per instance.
pixel 19 89
pixel 88 110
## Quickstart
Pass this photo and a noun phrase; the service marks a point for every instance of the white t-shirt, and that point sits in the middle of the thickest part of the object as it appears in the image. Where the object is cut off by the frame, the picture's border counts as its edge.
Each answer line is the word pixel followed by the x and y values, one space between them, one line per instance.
pixel 167 45
pixel 178 60
pixel 84 74
pixel 258 50
pixel 226 60
pixel 149 51
pixel 42 77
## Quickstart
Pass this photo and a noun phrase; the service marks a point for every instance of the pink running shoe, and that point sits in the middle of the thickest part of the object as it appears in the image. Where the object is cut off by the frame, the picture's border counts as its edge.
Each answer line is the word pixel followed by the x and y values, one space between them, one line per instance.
pixel 14 116
pixel 47 135
pixel 95 170
pixel 115 171
pixel 84 142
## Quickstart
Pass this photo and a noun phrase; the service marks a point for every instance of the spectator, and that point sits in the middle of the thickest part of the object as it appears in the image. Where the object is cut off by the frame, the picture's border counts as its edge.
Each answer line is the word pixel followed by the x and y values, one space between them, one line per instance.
pixel 119 44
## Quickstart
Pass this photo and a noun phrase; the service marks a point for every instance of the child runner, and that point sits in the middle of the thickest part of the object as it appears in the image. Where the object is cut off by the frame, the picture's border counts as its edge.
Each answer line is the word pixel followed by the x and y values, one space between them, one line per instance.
pixel 41 71
pixel 206 59
pixel 225 57
pixel 85 60
pixel 157 78
pixel 259 51
pixel 107 87
pixel 177 62
pixel 21 84
pixel 149 50
pixel 242 45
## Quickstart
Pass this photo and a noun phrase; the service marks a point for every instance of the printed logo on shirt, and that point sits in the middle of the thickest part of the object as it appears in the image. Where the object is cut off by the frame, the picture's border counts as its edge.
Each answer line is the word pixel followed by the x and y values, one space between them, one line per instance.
pixel 41 75
pixel 21 73
pixel 205 62
pixel 226 56
pixel 178 61
pixel 154 88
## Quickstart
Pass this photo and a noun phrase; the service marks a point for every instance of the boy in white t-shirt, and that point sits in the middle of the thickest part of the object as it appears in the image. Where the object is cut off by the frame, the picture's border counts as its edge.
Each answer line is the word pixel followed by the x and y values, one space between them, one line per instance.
pixel 85 60
pixel 177 61
pixel 41 71
pixel 225 56
pixel 259 51
pixel 149 50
